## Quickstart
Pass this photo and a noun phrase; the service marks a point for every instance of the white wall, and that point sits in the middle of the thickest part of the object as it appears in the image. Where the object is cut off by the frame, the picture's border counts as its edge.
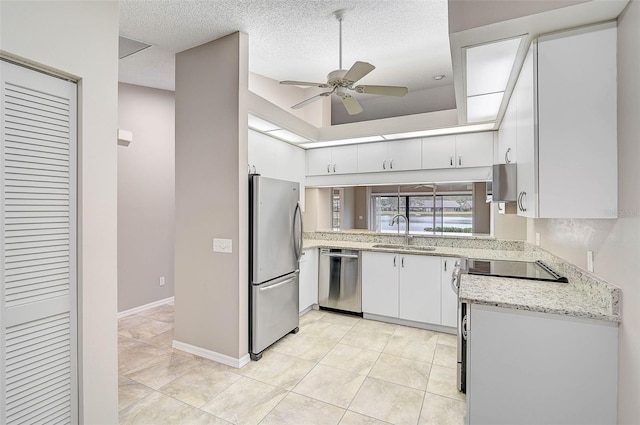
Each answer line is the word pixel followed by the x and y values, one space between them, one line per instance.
pixel 615 243
pixel 146 195
pixel 81 39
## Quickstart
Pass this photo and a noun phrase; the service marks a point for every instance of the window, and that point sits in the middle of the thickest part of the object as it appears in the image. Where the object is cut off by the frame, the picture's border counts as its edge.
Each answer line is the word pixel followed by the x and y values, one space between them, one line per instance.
pixel 336 208
pixel 431 209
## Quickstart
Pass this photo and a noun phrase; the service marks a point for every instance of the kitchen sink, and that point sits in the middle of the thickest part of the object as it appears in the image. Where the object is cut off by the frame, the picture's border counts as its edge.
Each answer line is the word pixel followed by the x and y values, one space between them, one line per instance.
pixel 406 247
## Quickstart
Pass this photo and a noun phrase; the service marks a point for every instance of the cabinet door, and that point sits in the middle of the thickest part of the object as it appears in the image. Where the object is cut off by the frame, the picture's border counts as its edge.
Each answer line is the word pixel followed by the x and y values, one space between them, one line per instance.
pixel 308 278
pixel 474 150
pixel 318 161
pixel 577 146
pixel 449 299
pixel 419 288
pixel 438 152
pixel 372 157
pixel 344 159
pixel 404 155
pixel 380 283
pixel 261 154
pixel 507 134
pixel 527 167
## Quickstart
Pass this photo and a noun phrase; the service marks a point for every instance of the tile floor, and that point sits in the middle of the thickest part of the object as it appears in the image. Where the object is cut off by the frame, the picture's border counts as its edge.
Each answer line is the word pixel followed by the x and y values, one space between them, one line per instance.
pixel 337 370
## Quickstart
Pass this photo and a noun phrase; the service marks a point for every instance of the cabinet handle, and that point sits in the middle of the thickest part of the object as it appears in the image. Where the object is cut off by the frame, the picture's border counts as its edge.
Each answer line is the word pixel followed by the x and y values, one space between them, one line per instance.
pixel 451 160
pixel 394 261
pixel 254 170
pixel 507 160
pixel 334 168
pixel 518 201
pixel 459 159
pixel 391 164
pixel 384 164
pixel 328 168
pixel 524 194
pixel 402 262
pixel 445 265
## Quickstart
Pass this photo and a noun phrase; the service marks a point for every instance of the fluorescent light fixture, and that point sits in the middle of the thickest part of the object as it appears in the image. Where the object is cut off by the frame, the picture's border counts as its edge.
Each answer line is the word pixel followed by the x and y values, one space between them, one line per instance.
pixel 484 107
pixel 441 131
pixel 260 124
pixel 489 66
pixel 287 136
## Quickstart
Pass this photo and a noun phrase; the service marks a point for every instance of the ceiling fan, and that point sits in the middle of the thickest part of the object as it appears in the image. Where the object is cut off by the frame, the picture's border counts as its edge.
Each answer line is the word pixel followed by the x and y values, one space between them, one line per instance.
pixel 341 82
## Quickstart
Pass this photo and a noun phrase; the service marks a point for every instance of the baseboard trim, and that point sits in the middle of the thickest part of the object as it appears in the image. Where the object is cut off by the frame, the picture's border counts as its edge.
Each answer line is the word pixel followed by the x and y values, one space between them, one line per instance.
pixel 411 323
pixel 212 355
pixel 145 307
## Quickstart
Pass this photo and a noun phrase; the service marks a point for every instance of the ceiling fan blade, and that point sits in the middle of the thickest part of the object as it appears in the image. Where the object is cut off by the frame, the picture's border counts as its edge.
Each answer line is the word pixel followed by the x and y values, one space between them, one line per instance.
pixel 357 71
pixel 305 83
pixel 351 104
pixel 311 100
pixel 382 90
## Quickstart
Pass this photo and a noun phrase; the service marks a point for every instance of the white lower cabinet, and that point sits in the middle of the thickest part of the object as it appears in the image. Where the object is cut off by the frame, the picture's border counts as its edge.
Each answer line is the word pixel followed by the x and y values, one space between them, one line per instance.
pixel 401 286
pixel 536 368
pixel 380 283
pixel 449 298
pixel 308 278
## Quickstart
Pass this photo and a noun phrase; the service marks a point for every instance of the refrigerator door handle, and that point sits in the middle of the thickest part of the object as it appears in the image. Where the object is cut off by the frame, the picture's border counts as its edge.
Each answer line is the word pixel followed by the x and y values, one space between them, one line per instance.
pixel 297 243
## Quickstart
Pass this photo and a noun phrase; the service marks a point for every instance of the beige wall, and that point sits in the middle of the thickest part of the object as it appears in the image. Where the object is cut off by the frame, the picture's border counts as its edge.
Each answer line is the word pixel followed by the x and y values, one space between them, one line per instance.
pixel 317 213
pixel 361 202
pixel 146 195
pixel 211 288
pixel 481 209
pixel 508 226
pixel 615 243
pixel 81 39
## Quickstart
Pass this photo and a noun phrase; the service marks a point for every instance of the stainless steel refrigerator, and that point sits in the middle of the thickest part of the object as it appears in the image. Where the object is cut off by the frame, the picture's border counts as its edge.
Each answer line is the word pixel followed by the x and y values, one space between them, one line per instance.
pixel 275 233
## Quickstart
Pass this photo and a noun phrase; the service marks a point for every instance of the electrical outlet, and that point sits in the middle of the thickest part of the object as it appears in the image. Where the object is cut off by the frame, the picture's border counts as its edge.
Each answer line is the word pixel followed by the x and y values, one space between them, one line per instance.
pixel 537 239
pixel 222 245
pixel 590 261
pixel 162 281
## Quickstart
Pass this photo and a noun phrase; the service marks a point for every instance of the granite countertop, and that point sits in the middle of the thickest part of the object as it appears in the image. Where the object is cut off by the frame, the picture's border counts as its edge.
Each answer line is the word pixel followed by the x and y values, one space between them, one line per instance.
pixel 585 296
pixel 568 299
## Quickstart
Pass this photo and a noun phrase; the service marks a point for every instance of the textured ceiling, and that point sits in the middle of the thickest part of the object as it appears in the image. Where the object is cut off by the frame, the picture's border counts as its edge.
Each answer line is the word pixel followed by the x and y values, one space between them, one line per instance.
pixel 406 40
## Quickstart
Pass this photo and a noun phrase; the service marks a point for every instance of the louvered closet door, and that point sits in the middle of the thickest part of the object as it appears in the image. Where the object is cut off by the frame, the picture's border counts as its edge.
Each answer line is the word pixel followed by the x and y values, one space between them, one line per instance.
pixel 38 248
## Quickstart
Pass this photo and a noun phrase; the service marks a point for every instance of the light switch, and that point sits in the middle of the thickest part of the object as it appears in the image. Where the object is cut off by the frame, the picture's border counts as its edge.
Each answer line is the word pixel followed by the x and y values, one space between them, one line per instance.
pixel 222 245
pixel 590 261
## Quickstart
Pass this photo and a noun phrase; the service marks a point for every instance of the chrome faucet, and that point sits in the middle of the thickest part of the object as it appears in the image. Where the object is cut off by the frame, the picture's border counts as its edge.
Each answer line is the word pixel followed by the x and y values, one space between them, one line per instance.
pixel 406 226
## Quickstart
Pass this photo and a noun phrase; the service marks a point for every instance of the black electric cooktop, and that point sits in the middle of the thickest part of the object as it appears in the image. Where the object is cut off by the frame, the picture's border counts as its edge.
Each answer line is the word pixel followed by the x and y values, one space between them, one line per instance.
pixel 514 269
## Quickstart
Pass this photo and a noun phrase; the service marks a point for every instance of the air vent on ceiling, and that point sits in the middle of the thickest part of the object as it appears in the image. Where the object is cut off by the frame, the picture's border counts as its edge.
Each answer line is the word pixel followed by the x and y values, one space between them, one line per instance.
pixel 127 47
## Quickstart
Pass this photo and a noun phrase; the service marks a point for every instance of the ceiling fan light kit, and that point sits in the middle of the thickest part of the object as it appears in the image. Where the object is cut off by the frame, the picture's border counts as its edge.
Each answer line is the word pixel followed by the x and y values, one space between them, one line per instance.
pixel 341 82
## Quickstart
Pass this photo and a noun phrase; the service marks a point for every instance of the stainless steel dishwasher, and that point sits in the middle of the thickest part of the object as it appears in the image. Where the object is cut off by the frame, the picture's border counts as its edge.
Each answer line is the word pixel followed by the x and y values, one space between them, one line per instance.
pixel 339 285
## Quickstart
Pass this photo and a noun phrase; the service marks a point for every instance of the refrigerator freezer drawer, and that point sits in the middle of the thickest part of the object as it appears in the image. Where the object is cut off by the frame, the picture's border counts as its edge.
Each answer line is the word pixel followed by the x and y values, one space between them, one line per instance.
pixel 274 311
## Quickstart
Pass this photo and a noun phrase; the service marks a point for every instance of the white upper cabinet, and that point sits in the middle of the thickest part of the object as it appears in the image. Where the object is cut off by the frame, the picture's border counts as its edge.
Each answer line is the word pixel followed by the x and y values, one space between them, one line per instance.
pixel 507 134
pixel 568 169
pixel 577 122
pixel 276 159
pixel 438 152
pixel 523 102
pixel 335 160
pixel 459 151
pixel 474 149
pixel 397 155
